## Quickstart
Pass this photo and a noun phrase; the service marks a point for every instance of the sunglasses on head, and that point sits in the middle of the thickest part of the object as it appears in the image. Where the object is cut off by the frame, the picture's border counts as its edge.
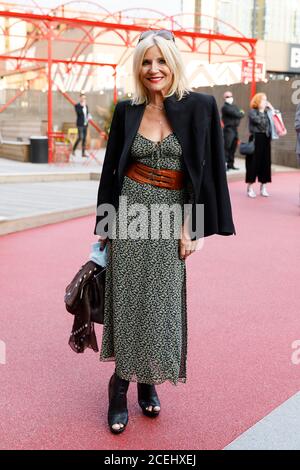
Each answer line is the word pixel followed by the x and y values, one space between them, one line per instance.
pixel 164 33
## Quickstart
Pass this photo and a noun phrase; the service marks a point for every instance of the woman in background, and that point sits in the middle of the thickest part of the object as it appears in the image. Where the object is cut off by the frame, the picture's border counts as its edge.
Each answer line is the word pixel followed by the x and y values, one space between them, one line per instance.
pixel 258 165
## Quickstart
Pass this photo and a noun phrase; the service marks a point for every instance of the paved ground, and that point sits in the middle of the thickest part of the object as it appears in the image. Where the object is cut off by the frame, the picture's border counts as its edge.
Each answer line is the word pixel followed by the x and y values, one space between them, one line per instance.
pixel 243 311
pixel 8 166
pixel 278 430
pixel 20 199
pixel 36 194
pixel 32 195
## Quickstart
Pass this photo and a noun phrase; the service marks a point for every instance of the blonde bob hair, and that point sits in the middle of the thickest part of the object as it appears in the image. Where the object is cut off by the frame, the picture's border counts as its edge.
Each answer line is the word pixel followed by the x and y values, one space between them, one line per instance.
pixel 173 60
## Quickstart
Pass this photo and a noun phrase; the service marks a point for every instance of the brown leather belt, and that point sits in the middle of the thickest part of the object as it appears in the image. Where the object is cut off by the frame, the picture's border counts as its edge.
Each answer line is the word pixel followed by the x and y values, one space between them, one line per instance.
pixel 163 178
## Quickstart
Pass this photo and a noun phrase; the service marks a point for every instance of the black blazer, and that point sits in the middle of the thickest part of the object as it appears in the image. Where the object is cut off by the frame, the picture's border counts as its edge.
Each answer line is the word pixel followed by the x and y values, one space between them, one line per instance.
pixel 196 123
pixel 231 115
pixel 79 113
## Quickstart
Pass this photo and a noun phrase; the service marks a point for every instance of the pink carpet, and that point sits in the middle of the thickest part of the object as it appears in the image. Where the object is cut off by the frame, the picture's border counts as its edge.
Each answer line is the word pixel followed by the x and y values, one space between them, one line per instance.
pixel 243 309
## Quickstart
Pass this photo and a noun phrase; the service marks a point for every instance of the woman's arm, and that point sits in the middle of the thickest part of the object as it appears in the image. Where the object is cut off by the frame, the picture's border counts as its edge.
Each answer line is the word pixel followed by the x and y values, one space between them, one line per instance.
pixel 214 191
pixel 255 117
pixel 110 163
pixel 186 245
pixel 233 112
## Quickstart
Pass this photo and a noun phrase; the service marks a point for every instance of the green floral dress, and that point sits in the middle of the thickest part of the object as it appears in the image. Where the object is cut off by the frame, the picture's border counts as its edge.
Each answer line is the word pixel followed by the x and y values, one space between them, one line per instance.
pixel 145 318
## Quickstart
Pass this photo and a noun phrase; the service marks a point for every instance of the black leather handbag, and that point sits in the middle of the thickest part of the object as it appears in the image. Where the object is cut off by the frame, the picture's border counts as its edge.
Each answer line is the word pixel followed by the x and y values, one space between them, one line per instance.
pixel 85 293
pixel 84 298
pixel 247 148
pixel 93 296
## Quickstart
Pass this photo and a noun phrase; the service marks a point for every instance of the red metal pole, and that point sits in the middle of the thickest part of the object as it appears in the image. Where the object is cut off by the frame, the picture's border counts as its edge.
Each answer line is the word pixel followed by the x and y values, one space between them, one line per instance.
pixel 54 61
pixel 253 83
pixel 117 26
pixel 115 86
pixel 50 140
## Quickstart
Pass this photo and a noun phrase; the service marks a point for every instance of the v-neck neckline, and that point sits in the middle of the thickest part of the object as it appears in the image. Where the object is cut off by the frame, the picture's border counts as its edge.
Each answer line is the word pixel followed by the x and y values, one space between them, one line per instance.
pixel 156 142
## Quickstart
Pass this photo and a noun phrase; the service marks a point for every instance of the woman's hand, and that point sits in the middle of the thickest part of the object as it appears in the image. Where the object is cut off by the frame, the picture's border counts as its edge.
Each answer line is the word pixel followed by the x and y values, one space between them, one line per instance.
pixel 102 240
pixel 186 245
pixel 268 104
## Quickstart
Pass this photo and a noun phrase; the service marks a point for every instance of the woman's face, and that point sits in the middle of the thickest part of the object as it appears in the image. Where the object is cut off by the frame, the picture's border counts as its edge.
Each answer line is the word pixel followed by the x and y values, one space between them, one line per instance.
pixel 263 102
pixel 155 74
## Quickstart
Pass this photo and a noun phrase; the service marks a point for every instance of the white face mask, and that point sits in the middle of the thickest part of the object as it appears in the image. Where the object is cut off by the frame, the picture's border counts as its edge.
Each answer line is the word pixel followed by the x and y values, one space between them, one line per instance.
pixel 229 100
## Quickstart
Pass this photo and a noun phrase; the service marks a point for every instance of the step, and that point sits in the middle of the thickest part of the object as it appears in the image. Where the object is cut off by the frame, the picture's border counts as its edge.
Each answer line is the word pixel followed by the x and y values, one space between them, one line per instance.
pixel 48 177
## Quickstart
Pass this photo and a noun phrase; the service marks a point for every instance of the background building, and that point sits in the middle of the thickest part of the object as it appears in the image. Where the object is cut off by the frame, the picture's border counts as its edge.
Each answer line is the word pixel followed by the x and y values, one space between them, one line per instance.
pixel 272 20
pixel 276 25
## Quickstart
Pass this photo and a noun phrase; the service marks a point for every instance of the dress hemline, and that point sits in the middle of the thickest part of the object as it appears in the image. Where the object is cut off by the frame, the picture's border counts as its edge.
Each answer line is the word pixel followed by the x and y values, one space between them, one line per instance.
pixel 134 378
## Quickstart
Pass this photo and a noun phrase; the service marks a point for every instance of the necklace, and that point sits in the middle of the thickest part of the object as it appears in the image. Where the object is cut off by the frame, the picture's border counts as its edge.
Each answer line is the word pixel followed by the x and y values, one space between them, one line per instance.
pixel 156 106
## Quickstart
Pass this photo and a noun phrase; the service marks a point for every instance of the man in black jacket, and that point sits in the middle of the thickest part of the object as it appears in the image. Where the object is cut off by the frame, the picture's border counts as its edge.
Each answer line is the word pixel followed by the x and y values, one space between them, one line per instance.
pixel 231 116
pixel 82 112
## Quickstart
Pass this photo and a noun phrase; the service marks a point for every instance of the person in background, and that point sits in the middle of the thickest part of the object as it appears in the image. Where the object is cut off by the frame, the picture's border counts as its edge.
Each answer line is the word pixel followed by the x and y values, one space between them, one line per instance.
pixel 297 129
pixel 83 116
pixel 258 165
pixel 231 116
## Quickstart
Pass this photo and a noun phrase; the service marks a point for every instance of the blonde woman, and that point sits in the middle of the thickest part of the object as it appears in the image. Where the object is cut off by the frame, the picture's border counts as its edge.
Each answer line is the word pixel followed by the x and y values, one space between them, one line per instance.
pixel 165 147
pixel 258 165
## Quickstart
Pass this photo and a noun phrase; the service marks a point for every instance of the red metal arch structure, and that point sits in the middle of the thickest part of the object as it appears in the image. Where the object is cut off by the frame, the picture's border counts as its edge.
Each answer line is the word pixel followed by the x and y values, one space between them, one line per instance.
pixel 92 28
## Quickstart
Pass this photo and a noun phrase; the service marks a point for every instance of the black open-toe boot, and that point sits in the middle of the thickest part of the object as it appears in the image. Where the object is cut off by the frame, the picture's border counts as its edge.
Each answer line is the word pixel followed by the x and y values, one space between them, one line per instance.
pixel 147 396
pixel 117 410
